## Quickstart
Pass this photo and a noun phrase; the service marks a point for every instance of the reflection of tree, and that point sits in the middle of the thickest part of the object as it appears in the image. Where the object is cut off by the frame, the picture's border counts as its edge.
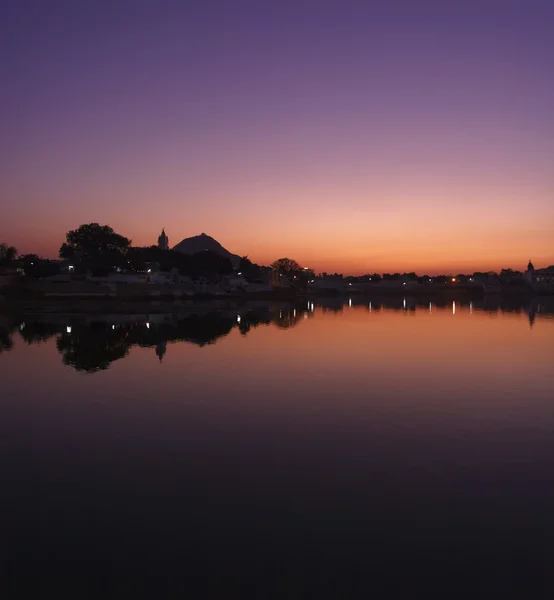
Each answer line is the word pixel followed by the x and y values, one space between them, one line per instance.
pixel 290 316
pixel 92 348
pixel 6 341
pixel 197 329
pixel 38 331
pixel 7 327
pixel 254 318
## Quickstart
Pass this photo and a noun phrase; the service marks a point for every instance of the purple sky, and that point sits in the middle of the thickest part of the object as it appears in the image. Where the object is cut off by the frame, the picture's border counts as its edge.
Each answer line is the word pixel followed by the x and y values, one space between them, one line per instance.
pixel 352 136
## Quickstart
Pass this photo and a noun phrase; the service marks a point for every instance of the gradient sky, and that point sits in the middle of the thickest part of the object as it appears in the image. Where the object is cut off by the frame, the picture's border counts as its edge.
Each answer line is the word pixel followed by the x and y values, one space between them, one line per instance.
pixel 351 136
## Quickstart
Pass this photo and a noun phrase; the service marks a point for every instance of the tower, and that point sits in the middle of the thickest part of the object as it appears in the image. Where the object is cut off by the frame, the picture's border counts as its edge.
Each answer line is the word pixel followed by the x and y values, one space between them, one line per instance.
pixel 528 275
pixel 163 241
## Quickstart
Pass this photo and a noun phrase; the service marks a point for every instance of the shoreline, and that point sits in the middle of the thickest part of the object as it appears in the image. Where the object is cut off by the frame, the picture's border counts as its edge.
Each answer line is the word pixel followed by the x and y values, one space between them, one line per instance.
pixel 175 303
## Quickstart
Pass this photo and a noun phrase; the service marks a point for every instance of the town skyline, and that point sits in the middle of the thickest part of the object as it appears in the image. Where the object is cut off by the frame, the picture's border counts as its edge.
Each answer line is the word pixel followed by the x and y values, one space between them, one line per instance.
pixel 164 241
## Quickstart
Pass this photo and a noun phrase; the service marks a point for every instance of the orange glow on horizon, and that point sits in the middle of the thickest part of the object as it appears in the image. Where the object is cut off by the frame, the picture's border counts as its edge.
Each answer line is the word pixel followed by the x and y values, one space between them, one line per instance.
pixel 349 237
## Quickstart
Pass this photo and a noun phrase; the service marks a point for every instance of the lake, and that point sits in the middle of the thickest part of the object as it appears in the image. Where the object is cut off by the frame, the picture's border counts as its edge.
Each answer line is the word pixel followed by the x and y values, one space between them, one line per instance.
pixel 338 447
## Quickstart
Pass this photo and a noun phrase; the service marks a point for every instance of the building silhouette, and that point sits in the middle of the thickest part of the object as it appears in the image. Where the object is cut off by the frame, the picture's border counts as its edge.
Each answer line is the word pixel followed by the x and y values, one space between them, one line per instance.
pixel 163 241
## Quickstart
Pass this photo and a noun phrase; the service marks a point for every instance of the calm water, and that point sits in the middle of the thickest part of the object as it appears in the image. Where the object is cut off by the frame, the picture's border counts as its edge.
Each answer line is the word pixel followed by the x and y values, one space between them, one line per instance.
pixel 286 450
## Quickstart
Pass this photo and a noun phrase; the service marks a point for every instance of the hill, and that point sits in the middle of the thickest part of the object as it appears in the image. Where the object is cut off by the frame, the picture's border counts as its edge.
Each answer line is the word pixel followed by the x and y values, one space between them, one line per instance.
pixel 203 242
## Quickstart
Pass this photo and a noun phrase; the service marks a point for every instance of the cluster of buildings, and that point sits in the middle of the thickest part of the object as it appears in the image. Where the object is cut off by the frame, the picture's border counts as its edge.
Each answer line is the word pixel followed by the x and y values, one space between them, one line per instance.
pixel 539 279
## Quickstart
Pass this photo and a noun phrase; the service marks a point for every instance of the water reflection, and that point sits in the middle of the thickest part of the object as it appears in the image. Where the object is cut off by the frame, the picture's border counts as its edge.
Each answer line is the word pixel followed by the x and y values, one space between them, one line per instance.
pixel 298 438
pixel 92 343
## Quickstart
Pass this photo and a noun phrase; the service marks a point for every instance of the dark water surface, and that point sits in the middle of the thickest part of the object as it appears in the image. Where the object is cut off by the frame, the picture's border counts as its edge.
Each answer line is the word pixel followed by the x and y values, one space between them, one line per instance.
pixel 288 451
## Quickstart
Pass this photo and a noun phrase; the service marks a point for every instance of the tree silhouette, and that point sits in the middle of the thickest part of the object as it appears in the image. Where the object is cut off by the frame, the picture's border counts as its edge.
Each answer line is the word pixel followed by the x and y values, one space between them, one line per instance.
pixel 250 271
pixel 34 266
pixel 36 332
pixel 94 246
pixel 286 266
pixel 7 254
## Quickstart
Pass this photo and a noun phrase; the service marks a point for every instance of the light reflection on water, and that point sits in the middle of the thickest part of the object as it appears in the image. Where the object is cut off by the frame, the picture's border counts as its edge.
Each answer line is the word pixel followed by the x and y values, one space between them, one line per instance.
pixel 306 439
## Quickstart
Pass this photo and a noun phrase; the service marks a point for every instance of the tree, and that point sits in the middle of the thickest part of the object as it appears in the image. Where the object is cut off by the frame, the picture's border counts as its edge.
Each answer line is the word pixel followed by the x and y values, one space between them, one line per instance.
pixel 296 275
pixel 7 254
pixel 286 266
pixel 34 266
pixel 210 264
pixel 250 271
pixel 94 246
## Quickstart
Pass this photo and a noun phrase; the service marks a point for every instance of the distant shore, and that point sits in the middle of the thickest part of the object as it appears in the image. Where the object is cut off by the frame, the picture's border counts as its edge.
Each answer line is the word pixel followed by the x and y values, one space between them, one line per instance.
pixel 174 302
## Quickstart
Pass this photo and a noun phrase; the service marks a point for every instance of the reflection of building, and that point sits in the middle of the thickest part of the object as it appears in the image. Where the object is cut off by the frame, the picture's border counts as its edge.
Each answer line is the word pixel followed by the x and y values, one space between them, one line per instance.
pixel 163 241
pixel 161 349
pixel 532 315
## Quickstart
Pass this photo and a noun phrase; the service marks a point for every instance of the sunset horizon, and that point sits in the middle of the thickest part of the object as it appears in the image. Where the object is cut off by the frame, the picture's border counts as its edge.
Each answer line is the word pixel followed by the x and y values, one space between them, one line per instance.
pixel 345 262
pixel 352 138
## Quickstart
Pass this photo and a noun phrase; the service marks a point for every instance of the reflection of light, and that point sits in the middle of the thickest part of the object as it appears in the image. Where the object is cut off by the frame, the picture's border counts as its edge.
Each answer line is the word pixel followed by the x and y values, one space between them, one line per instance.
pixel 294 313
pixel 470 308
pixel 312 307
pixel 349 301
pixel 147 325
pixel 370 307
pixel 280 315
pixel 68 329
pixel 305 315
pixel 238 318
pixel 453 308
pixel 404 303
pixel 430 306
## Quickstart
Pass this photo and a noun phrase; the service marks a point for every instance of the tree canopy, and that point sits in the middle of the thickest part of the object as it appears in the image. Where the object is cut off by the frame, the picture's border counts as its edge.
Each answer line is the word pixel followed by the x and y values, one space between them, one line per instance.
pixel 249 270
pixel 7 254
pixel 296 275
pixel 286 266
pixel 94 246
pixel 34 266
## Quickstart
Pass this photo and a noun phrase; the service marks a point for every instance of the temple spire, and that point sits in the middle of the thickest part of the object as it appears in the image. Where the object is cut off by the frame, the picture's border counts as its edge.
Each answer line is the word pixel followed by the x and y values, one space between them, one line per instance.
pixel 163 241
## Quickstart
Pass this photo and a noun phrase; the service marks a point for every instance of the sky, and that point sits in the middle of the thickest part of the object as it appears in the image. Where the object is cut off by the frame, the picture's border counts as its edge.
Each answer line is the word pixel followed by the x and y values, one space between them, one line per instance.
pixel 351 136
